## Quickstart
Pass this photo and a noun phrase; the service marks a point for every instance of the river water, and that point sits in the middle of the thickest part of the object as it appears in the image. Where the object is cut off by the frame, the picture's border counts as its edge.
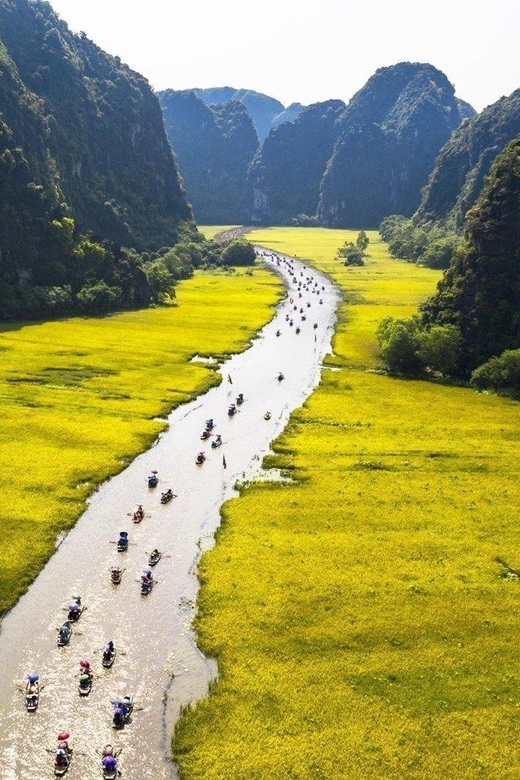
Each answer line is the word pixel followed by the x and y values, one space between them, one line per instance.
pixel 159 662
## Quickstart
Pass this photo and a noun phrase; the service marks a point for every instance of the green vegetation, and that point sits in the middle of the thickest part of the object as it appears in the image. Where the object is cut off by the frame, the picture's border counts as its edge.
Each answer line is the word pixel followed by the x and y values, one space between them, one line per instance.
pixel 80 398
pixel 353 253
pixel 264 110
pixel 386 144
pixel 462 165
pixel 407 347
pixel 501 373
pixel 285 176
pixel 363 626
pixel 433 246
pixel 480 292
pixel 214 146
pixel 85 169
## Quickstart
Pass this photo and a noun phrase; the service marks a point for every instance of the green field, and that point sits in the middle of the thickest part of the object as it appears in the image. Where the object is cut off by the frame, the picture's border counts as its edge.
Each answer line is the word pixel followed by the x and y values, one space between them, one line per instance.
pixel 78 398
pixel 361 621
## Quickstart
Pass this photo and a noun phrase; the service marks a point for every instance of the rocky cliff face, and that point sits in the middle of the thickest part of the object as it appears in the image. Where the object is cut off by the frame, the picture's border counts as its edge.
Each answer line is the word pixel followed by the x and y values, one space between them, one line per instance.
pixel 289 114
pixel 214 147
pixel 465 160
pixel 480 292
pixel 262 108
pixel 82 135
pixel 284 179
pixel 387 142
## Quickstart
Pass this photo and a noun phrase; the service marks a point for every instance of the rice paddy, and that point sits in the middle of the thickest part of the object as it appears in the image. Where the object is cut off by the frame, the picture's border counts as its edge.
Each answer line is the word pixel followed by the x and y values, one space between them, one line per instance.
pixel 362 620
pixel 81 397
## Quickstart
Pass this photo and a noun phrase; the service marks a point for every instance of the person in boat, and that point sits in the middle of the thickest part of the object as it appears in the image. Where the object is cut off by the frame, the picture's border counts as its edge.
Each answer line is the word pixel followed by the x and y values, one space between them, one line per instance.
pixel 74 611
pixel 62 757
pixel 109 650
pixel 109 763
pixel 85 668
pixel 146 577
pixel 64 630
pixel 218 439
pixel 154 553
pixel 32 684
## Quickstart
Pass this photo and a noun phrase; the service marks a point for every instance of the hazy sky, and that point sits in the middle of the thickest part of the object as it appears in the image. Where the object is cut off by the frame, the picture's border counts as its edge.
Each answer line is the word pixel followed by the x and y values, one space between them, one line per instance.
pixel 298 50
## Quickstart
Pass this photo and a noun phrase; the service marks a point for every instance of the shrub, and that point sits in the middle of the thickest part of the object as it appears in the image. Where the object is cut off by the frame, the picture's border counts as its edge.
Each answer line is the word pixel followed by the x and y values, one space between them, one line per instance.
pixel 239 252
pixel 350 254
pixel 499 373
pixel 160 279
pixel 440 348
pixel 399 343
pixel 99 298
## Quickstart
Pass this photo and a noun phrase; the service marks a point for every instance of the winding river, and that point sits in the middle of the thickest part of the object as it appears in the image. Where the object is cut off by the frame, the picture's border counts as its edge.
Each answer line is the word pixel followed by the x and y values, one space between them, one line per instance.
pixel 158 663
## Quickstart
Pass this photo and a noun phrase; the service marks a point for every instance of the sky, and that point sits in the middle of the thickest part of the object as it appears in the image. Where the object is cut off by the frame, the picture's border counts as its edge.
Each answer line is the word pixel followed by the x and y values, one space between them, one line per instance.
pixel 302 50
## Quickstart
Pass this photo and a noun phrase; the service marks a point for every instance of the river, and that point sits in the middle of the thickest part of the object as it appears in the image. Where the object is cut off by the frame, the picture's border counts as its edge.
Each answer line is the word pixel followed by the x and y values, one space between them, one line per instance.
pixel 159 662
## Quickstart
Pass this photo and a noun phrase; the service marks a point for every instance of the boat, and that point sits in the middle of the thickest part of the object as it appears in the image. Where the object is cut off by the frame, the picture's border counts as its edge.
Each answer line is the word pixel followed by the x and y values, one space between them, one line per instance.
pixel 75 611
pixel 122 712
pixel 32 693
pixel 116 575
pixel 64 634
pixel 153 480
pixel 154 558
pixel 108 660
pixel 62 761
pixel 166 496
pixel 122 542
pixel 138 514
pixel 267 416
pixel 85 684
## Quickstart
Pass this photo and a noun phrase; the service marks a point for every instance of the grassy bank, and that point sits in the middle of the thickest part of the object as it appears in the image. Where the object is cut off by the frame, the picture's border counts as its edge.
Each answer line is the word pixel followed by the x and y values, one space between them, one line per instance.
pixel 361 622
pixel 78 398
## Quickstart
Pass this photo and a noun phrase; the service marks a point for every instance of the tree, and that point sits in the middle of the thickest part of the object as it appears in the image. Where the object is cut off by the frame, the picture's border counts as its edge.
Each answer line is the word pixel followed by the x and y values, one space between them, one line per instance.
pixel 239 252
pixel 399 343
pixel 439 348
pixel 161 281
pixel 499 373
pixel 351 254
pixel 362 242
pixel 98 298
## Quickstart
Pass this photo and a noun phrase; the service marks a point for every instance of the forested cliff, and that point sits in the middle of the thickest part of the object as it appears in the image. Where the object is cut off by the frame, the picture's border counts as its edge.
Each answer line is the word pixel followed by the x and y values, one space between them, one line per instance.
pixel 81 138
pixel 214 147
pixel 387 142
pixel 285 177
pixel 480 292
pixel 463 163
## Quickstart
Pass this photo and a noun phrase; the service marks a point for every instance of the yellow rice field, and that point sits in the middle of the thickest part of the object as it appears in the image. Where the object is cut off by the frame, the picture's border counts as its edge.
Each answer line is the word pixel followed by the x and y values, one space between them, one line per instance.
pixel 79 398
pixel 360 618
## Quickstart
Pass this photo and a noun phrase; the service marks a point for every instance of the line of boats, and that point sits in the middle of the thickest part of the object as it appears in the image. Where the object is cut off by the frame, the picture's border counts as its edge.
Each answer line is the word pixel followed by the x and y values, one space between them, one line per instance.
pixel 123 707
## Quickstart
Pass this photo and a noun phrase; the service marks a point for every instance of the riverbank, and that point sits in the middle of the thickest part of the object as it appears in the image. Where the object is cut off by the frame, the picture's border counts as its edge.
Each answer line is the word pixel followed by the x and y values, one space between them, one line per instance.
pixel 159 663
pixel 81 397
pixel 361 622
